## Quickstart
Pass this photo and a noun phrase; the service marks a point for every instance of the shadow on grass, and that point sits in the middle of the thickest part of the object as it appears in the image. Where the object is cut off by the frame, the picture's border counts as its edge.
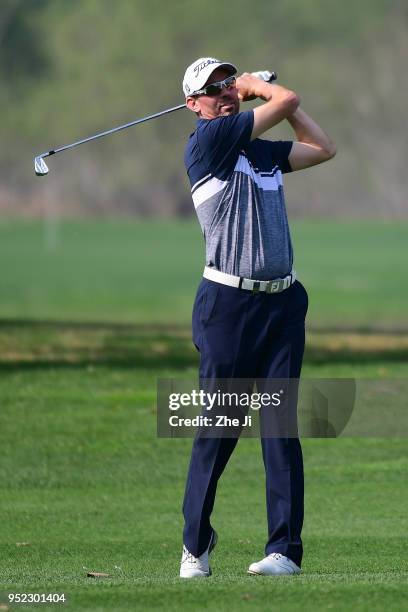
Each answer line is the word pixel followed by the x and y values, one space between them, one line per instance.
pixel 52 344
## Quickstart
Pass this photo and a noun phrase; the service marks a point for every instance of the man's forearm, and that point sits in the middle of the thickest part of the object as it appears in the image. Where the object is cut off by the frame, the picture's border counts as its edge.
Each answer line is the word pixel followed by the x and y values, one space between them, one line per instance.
pixel 309 132
pixel 279 102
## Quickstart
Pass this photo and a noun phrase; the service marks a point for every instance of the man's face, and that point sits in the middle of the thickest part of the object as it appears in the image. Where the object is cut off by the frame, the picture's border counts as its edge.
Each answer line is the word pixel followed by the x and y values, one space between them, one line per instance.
pixel 224 103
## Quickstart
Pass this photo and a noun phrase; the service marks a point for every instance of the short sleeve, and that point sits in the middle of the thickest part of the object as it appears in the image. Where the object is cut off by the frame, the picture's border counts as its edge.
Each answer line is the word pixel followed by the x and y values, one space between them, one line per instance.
pixel 280 151
pixel 220 141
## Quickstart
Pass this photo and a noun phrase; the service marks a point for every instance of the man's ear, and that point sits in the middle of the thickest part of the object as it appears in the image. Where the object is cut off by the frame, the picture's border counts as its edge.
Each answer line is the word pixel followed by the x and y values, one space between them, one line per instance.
pixel 193 104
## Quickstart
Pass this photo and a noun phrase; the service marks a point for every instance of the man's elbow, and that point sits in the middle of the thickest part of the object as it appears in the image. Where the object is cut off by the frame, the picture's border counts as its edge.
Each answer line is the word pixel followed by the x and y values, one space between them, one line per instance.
pixel 330 151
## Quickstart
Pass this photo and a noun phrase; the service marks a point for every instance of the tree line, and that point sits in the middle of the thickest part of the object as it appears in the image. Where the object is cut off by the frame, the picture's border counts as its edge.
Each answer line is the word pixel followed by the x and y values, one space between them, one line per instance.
pixel 70 69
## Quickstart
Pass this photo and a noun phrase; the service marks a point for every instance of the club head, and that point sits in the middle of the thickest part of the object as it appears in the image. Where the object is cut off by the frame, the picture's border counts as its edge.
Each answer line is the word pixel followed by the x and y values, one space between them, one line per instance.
pixel 40 167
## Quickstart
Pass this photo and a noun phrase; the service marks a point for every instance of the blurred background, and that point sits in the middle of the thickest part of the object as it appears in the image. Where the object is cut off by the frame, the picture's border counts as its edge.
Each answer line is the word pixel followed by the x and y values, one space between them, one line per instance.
pixel 101 236
pixel 100 261
pixel 70 69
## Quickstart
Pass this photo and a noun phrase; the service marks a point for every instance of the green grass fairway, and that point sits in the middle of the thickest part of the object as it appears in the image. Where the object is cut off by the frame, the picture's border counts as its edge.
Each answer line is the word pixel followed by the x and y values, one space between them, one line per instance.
pixel 87 486
pixel 148 271
pixel 91 315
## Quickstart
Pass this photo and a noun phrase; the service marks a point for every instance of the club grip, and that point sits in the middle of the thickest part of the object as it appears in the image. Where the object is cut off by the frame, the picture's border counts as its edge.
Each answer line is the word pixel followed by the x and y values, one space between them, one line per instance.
pixel 266 75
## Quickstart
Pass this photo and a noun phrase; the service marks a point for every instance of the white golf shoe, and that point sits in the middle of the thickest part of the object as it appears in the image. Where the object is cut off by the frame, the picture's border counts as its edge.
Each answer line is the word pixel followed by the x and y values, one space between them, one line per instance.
pixel 197 567
pixel 274 564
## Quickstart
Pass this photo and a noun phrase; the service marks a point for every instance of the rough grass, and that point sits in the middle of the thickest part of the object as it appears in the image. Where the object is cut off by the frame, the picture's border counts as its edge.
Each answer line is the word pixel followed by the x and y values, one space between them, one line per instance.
pixel 148 271
pixel 87 486
pixel 25 343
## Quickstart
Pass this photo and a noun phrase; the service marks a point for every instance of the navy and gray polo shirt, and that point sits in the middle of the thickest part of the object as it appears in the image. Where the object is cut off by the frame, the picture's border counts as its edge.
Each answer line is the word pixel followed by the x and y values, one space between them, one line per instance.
pixel 237 190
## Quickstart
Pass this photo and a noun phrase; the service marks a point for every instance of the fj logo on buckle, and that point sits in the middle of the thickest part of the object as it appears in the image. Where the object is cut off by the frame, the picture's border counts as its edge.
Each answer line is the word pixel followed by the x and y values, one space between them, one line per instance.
pixel 273 286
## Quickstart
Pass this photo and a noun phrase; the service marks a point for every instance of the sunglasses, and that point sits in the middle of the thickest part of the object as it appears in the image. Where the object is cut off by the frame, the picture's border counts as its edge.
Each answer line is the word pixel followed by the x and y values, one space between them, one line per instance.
pixel 215 88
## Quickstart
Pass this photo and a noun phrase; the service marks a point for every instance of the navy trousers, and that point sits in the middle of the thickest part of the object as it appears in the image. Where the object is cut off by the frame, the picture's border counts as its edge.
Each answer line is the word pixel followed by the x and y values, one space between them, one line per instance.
pixel 241 334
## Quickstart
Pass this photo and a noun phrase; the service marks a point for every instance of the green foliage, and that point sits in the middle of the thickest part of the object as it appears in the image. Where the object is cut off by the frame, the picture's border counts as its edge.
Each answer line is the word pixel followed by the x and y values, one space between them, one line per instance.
pixel 23 56
pixel 74 68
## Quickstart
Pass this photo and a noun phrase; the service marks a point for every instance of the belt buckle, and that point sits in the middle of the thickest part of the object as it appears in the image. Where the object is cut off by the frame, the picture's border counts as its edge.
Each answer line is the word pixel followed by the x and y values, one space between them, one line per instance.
pixel 255 287
pixel 274 286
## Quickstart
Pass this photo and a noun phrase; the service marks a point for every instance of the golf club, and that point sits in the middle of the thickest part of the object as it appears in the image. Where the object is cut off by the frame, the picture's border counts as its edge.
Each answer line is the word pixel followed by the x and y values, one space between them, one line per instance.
pixel 41 168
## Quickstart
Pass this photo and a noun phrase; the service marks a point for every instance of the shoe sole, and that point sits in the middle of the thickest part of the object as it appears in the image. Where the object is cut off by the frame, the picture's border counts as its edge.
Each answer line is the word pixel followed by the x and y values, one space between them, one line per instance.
pixel 196 577
pixel 252 573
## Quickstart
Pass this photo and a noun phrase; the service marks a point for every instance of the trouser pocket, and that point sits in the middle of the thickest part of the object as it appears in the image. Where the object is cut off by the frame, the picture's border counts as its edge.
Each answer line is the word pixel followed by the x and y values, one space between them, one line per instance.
pixel 204 307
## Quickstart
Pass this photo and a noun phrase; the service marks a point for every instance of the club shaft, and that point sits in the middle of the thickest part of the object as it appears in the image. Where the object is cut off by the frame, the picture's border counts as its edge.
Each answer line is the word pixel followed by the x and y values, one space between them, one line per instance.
pixel 271 76
pixel 113 130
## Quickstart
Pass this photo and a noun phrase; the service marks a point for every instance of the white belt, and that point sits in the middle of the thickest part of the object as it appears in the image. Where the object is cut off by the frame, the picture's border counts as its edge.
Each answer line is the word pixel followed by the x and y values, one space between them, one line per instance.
pixel 269 286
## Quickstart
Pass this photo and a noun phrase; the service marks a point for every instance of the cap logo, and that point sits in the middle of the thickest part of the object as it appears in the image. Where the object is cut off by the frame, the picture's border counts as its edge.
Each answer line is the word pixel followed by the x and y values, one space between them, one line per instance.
pixel 202 65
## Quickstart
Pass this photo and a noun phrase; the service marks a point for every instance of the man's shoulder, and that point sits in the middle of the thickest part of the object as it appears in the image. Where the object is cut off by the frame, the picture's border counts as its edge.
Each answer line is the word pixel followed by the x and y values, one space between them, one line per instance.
pixel 227 120
pixel 220 131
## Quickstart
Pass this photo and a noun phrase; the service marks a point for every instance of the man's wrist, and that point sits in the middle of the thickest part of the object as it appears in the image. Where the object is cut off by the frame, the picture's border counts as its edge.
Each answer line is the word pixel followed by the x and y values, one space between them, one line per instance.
pixel 265 92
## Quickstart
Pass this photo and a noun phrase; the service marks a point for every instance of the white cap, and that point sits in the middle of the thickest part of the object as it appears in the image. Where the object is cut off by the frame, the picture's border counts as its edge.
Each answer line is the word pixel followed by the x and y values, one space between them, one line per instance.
pixel 198 73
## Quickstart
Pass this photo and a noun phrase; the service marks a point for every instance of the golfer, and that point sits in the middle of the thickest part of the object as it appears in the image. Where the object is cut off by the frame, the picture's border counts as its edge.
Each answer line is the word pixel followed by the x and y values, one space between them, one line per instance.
pixel 249 312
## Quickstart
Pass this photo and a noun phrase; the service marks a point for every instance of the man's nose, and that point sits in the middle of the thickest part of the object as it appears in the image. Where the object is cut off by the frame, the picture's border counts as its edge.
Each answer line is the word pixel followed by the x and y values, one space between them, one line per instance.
pixel 227 89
